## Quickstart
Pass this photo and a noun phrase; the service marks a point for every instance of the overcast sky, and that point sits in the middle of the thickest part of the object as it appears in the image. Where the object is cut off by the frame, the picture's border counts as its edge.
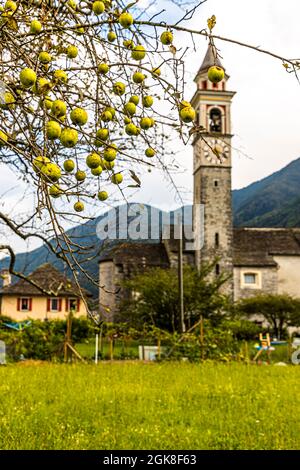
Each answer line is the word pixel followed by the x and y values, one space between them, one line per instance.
pixel 266 109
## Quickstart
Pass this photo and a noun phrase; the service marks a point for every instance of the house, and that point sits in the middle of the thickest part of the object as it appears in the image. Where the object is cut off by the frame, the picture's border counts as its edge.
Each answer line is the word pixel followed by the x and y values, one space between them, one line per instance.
pixel 264 260
pixel 23 300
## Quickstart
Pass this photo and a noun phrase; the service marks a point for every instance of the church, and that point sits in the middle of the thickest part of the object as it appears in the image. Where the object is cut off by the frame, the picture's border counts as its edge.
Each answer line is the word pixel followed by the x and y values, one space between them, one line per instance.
pixel 256 260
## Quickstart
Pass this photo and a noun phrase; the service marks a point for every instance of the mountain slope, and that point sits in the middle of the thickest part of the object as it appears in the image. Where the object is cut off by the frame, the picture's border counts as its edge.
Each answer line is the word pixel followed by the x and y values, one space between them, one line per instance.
pixel 269 202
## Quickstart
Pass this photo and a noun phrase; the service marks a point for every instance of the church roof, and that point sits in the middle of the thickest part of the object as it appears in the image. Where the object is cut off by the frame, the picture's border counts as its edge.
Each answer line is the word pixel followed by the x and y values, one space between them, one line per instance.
pixel 257 246
pixel 137 255
pixel 49 279
pixel 210 59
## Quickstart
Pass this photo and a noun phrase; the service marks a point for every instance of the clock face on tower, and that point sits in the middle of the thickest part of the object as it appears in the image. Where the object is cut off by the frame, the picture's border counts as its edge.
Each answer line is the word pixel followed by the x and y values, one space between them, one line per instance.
pixel 216 151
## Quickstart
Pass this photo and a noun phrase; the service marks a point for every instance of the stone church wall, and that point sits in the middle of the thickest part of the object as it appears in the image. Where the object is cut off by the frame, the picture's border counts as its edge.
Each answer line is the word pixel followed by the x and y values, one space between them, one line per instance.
pixel 268 282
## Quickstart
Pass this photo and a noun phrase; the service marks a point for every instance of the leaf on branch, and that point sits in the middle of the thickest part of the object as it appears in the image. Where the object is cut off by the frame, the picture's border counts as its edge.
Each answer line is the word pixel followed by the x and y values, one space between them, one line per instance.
pixel 173 49
pixel 211 22
pixel 135 178
pixel 12 24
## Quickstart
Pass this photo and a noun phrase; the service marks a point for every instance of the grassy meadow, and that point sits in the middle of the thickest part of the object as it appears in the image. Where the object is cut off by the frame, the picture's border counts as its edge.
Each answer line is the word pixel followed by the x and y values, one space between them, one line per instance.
pixel 149 406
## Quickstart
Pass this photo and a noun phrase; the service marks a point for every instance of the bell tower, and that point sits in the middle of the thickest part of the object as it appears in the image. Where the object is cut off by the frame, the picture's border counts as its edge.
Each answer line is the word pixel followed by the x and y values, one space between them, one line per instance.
pixel 212 170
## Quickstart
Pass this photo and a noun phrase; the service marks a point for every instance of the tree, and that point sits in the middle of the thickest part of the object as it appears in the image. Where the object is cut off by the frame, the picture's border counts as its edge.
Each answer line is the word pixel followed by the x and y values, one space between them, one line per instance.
pixel 279 311
pixel 80 104
pixel 153 298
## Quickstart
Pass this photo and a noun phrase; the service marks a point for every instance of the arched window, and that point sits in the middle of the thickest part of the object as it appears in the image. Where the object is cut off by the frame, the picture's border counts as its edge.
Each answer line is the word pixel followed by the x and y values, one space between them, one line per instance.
pixel 215 120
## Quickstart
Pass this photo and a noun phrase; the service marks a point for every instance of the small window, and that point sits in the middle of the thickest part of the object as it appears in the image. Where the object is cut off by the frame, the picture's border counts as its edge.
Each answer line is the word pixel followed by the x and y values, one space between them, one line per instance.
pixel 215 85
pixel 216 183
pixel 204 85
pixel 217 240
pixel 250 278
pixel 54 305
pixel 217 269
pixel 25 305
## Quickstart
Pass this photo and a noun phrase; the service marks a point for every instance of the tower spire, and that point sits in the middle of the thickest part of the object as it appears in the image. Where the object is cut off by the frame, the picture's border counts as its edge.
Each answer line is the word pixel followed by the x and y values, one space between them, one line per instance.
pixel 211 58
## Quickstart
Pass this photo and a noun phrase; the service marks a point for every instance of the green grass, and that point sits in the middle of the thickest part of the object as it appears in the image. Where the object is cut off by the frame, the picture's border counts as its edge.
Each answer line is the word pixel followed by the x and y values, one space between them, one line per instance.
pixel 149 406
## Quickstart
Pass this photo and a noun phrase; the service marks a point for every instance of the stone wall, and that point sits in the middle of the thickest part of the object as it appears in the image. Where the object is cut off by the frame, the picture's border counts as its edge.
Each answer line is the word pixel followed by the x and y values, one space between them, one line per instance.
pixel 108 280
pixel 268 281
pixel 213 188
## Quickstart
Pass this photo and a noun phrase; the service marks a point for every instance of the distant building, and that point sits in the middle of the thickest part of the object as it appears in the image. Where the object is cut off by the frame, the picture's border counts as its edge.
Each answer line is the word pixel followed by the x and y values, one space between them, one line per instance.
pixel 23 300
pixel 258 260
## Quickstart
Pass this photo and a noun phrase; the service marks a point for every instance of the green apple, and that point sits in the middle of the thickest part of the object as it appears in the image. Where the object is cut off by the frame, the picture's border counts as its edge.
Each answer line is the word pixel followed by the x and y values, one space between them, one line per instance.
pixel 27 77
pixel 45 57
pixel 80 175
pixel 103 68
pixel 138 52
pixel 35 27
pixel 51 171
pixel 128 43
pixel 97 171
pixel 98 7
pixel 135 99
pixel 117 178
pixel 110 154
pixel 53 130
pixel 145 123
pixel 188 114
pixel 69 137
pixel 106 116
pixel 10 5
pixel 108 165
pixel 60 76
pixel 79 206
pixel 72 52
pixel 48 102
pixel 131 129
pixel 39 162
pixel 138 77
pixel 130 109
pixel 126 20
pixel 111 110
pixel 119 88
pixel 72 4
pixel 93 160
pixel 148 101
pixel 102 196
pixel 102 134
pixel 3 138
pixel 166 38
pixel 59 108
pixel 9 101
pixel 55 191
pixel 127 120
pixel 184 104
pixel 69 165
pixel 79 116
pixel 156 71
pixel 41 87
pixel 80 29
pixel 215 74
pixel 111 37
pixel 150 152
